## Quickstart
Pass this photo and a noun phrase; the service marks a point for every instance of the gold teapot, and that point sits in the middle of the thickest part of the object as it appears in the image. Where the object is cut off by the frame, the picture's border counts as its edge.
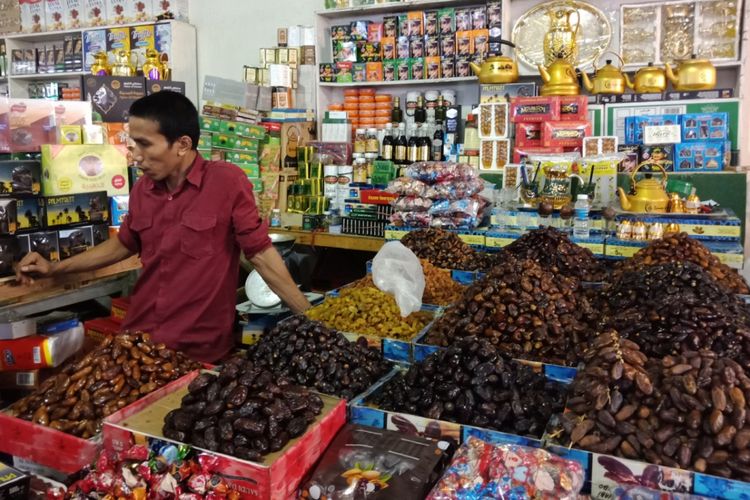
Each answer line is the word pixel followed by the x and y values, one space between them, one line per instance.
pixel 559 78
pixel 560 39
pixel 649 195
pixel 124 65
pixel 497 69
pixel 676 204
pixel 101 65
pixel 692 74
pixel 650 79
pixel 153 69
pixel 609 79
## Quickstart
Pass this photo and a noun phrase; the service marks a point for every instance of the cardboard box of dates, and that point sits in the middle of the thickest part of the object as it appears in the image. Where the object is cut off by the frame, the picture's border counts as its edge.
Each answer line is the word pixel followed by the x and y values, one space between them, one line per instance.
pixel 279 473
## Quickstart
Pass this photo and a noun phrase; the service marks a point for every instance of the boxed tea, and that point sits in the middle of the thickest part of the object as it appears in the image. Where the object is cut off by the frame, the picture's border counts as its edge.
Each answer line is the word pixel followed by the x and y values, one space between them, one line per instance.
pixel 84 169
pixel 33 19
pixel 78 209
pixel 30 213
pixel 95 12
pixel 55 12
pixel 74 14
pixel 120 11
pixel 119 209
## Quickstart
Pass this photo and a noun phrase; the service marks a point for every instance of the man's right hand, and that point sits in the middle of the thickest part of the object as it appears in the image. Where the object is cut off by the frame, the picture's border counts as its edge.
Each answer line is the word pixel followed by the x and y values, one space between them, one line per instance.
pixel 33 266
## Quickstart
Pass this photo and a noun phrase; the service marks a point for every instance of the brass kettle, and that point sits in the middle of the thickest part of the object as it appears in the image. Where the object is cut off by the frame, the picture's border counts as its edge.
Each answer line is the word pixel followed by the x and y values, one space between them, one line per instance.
pixel 650 79
pixel 497 69
pixel 153 69
pixel 649 195
pixel 692 74
pixel 124 65
pixel 559 78
pixel 101 65
pixel 609 79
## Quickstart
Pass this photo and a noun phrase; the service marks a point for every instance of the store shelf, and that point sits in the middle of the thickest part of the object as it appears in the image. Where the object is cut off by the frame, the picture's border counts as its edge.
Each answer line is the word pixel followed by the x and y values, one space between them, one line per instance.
pixel 439 81
pixel 11 293
pixel 50 76
pixel 718 64
pixel 328 240
pixel 59 35
pixel 386 8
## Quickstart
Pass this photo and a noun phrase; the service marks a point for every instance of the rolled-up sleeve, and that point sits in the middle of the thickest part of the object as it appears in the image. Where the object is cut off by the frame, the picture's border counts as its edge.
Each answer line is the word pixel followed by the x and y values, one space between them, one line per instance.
pixel 251 233
pixel 127 235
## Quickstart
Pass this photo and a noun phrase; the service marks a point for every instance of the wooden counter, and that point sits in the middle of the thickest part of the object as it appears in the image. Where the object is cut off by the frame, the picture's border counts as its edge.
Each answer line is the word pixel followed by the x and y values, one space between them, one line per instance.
pixel 328 240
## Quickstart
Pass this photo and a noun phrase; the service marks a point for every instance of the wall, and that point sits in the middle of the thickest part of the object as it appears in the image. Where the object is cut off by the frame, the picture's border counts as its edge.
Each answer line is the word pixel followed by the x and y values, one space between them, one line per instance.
pixel 246 26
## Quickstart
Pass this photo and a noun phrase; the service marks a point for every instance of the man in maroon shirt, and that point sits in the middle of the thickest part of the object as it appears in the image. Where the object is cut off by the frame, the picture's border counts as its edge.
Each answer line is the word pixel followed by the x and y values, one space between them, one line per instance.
pixel 188 220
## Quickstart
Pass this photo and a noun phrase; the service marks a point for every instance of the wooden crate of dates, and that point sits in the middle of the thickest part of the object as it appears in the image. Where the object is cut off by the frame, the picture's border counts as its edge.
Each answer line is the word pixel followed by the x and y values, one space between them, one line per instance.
pixel 275 476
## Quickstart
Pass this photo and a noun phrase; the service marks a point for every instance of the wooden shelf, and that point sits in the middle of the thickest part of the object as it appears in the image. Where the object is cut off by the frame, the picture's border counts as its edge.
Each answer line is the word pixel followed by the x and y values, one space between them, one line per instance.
pixel 404 6
pixel 328 240
pixel 13 293
pixel 438 81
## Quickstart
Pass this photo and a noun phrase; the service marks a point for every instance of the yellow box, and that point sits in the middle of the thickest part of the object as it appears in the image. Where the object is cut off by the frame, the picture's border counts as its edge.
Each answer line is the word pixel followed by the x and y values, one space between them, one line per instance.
pixel 69 134
pixel 68 169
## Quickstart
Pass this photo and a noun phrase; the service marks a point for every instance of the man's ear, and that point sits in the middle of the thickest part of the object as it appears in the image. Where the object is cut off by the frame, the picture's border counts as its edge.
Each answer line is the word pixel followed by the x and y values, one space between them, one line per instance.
pixel 184 145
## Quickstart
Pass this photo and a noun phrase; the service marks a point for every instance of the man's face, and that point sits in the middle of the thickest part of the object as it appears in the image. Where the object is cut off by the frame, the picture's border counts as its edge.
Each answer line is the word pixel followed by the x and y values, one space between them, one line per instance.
pixel 151 150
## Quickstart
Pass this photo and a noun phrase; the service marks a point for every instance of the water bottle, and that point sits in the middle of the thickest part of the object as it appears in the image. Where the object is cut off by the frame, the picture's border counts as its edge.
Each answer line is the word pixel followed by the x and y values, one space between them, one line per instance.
pixel 581 222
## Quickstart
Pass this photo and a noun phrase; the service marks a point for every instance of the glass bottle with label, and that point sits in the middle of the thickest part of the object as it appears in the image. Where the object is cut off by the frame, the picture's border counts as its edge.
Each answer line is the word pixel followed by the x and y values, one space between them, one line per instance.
pixel 420 114
pixel 425 145
pixel 386 151
pixel 412 150
pixel 397 115
pixel 370 159
pixel 471 137
pixel 372 145
pixel 400 154
pixel 359 173
pixel 438 138
pixel 360 141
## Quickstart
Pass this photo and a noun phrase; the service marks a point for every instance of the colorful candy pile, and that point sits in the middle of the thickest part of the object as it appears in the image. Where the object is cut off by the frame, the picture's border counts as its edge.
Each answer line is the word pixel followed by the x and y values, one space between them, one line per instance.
pixel 483 470
pixel 140 473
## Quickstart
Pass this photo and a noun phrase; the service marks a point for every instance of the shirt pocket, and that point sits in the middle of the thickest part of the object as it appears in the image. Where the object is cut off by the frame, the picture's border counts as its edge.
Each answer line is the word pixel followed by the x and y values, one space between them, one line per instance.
pixel 197 238
pixel 141 225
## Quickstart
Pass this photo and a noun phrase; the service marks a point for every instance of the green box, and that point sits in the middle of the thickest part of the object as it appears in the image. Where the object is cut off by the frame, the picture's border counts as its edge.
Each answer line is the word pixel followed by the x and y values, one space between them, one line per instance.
pixel 390 70
pixel 205 154
pixel 403 69
pixel 231 141
pixel 251 169
pixel 210 124
pixel 243 129
pixel 239 157
pixel 257 184
pixel 205 140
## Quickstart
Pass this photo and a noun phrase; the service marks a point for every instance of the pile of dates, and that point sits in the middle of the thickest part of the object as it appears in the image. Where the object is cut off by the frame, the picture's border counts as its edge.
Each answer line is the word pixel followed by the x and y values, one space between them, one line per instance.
pixel 688 411
pixel 244 413
pixel 552 248
pixel 472 383
pixel 669 308
pixel 309 354
pixel 681 248
pixel 525 310
pixel 121 370
pixel 446 250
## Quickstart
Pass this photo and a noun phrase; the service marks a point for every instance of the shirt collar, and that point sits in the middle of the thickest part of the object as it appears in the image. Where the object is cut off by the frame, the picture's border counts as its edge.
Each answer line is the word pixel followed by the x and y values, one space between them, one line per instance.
pixel 194 176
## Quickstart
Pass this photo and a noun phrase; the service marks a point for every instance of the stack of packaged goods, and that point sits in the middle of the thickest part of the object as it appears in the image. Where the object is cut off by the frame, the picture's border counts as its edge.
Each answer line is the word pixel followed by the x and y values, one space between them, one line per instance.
pixel 438 194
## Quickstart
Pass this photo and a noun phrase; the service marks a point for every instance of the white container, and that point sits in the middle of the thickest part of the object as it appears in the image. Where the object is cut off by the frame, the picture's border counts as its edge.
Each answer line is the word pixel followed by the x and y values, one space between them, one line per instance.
pixel 449 97
pixel 345 177
pixel 411 103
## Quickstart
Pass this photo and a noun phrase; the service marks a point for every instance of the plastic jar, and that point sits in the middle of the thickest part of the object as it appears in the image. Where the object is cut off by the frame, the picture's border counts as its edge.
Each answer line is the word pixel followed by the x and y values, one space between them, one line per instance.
pixel 411 102
pixel 449 97
pixel 360 141
pixel 359 173
pixel 370 162
pixel 372 142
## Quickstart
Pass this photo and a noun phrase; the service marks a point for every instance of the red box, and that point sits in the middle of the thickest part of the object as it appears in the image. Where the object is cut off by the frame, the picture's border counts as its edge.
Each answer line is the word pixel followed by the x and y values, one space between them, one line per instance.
pixel 99 328
pixel 566 134
pixel 279 479
pixel 529 134
pixel 40 351
pixel 574 108
pixel 58 450
pixel 534 109
pixel 376 197
pixel 119 309
pixel 519 153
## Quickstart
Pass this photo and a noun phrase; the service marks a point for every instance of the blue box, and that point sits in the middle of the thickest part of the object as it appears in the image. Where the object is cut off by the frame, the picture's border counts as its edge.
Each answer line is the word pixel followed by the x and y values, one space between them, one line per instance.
pixel 119 208
pixel 699 156
pixel 705 127
pixel 634 125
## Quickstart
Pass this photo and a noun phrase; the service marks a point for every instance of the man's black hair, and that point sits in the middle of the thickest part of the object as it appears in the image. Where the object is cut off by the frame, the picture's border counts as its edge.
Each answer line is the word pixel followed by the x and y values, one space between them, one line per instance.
pixel 174 113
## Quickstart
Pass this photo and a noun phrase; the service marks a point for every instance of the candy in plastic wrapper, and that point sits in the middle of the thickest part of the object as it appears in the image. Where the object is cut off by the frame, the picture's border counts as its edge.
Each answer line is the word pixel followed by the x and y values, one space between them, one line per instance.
pixel 406 186
pixel 483 470
pixel 454 222
pixel 438 171
pixel 411 219
pixel 454 190
pixel 136 452
pixel 469 206
pixel 412 204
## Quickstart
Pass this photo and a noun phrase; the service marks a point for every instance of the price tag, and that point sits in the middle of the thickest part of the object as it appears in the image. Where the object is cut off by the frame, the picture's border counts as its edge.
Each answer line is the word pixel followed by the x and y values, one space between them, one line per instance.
pixel 661 134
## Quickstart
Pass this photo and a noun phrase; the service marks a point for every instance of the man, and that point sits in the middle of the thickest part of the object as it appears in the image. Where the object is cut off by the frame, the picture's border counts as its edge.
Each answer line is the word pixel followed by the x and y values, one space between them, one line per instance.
pixel 189 218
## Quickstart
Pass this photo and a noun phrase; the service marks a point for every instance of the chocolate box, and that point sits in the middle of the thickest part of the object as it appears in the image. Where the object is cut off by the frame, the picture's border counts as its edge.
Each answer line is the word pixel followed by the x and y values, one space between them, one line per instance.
pixel 662 154
pixel 86 168
pixel 44 243
pixel 8 216
pixel 29 213
pixel 565 134
pixel 634 125
pixel 574 108
pixel 705 126
pixel 534 109
pixel 112 96
pixel 699 156
pixel 32 124
pixel 20 177
pixel 10 253
pixel 94 41
pixel 277 477
pixel 95 12
pixel 76 209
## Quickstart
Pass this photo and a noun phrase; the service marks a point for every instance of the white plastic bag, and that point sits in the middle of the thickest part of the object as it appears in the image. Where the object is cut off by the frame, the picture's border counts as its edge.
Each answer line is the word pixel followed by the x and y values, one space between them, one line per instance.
pixel 396 270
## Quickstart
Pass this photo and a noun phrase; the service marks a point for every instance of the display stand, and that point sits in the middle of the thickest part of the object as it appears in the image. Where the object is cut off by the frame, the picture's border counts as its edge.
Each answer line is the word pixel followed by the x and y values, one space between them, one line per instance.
pixel 329 240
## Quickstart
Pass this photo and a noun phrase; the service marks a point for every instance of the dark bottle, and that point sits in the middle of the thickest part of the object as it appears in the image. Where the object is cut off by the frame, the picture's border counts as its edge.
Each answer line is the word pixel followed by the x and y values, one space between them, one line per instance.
pixel 413 148
pixel 420 114
pixel 397 116
pixel 386 151
pixel 399 153
pixel 438 138
pixel 425 145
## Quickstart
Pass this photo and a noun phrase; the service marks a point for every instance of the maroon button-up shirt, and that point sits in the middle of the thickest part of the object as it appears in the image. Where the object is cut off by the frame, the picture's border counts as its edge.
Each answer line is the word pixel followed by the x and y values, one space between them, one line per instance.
pixel 189 242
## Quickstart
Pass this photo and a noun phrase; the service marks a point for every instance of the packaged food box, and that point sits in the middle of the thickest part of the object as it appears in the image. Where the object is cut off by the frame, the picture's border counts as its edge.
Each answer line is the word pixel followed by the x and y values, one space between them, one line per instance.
pixel 565 134
pixel 119 309
pixel 56 13
pixel 32 124
pixel 663 154
pixel 634 125
pixel 359 72
pixel 98 329
pixel 72 113
pixel 69 135
pixel 20 177
pixel 594 146
pixel 231 141
pixel 17 328
pixel 95 12
pixel 40 351
pixel 74 241
pixel 403 69
pixel 112 96
pixel 33 19
pixel 84 168
pixel 699 156
pixel 76 209
pixel 242 129
pixel 529 134
pixel 521 153
pixel 14 485
pixel 115 134
pixel 534 109
pixel 43 242
pixel 574 108
pixel 8 216
pixel 25 380
pixel 632 154
pixel 705 126
pixel 277 477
